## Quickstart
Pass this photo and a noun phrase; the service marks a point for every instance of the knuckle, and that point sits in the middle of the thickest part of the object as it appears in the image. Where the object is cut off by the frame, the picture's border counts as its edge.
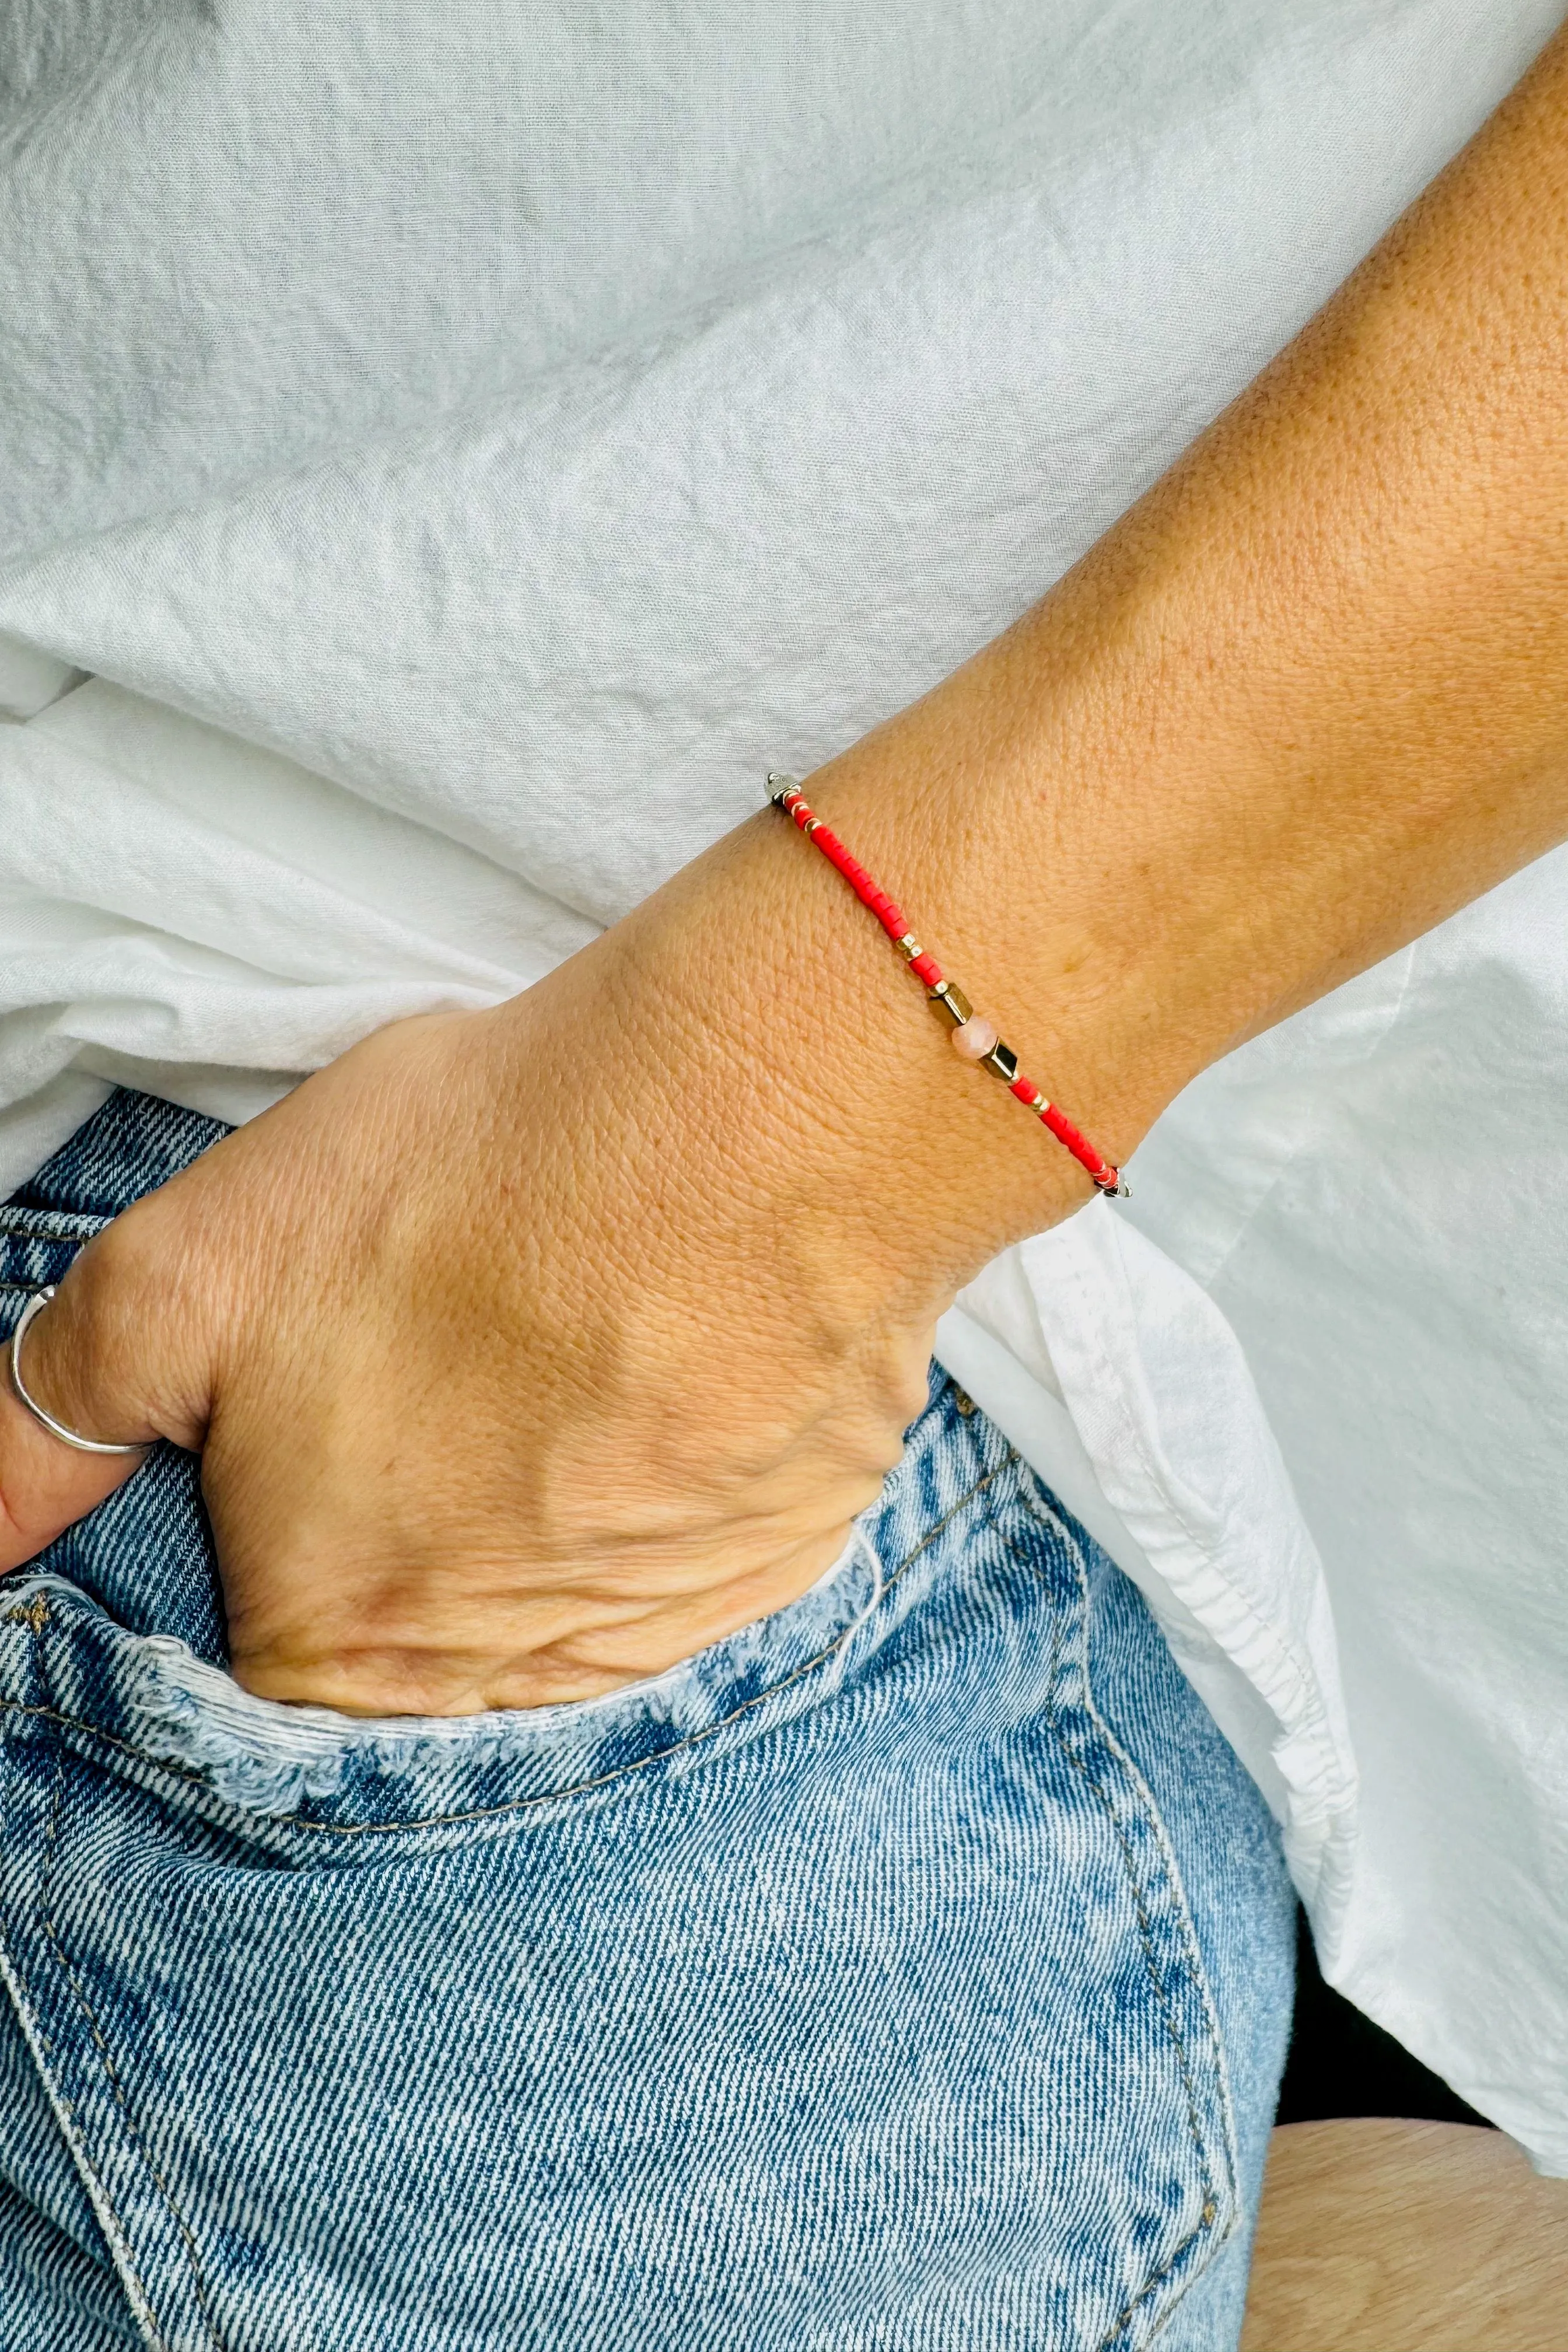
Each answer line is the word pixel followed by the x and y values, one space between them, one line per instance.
pixel 113 1268
pixel 102 1347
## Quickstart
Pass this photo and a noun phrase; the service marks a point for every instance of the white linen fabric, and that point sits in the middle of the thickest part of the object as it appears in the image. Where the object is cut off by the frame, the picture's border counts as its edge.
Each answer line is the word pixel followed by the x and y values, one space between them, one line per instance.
pixel 450 454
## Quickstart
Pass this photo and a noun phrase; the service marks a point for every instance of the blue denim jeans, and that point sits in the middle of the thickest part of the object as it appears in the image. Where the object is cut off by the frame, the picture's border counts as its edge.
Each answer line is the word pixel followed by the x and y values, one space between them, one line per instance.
pixel 911 1970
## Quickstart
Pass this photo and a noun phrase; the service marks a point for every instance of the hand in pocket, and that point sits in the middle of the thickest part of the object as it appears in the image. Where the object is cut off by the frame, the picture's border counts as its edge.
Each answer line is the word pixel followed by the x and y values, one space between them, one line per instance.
pixel 511 1385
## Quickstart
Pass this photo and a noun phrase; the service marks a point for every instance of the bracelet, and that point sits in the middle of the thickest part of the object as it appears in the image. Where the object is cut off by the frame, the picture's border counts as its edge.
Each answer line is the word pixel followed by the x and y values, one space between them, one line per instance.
pixel 973 1039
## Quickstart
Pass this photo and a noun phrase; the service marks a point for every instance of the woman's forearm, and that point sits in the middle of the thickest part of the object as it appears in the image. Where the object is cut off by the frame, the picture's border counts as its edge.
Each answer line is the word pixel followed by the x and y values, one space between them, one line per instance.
pixel 1309 696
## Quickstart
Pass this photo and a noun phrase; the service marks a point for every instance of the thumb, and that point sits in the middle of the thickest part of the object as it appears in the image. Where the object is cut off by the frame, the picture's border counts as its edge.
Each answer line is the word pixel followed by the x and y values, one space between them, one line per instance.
pixel 94 1358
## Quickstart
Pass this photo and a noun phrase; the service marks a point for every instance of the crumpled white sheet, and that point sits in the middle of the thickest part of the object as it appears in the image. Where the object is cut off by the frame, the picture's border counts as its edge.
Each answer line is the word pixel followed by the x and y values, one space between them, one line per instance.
pixel 465 449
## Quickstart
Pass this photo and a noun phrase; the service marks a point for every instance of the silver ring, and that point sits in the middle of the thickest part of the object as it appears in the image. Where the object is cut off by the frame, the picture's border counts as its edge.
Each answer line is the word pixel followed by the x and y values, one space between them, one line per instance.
pixel 39 1300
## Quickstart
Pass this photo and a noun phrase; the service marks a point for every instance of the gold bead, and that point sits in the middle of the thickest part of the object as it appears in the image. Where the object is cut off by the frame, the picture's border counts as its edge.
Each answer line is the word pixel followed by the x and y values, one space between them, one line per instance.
pixel 948 998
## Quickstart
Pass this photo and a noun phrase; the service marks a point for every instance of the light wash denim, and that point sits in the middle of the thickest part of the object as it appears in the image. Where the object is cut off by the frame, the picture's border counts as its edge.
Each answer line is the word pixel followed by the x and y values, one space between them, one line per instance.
pixel 910 1972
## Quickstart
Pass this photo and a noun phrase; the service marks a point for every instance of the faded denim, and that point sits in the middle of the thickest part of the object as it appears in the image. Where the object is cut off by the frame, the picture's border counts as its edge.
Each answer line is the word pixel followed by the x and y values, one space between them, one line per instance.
pixel 910 1972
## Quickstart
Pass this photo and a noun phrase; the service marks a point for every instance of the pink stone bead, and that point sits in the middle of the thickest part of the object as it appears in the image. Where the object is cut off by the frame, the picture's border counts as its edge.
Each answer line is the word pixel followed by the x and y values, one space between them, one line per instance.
pixel 974 1040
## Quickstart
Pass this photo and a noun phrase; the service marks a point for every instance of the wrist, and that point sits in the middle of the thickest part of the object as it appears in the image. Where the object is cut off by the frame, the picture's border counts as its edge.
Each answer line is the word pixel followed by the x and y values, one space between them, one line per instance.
pixel 795 1038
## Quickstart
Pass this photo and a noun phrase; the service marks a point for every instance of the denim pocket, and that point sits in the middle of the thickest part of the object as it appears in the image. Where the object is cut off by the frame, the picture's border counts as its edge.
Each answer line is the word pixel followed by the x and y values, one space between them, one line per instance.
pixel 836 1991
pixel 852 1910
pixel 307 1779
pixel 115 1636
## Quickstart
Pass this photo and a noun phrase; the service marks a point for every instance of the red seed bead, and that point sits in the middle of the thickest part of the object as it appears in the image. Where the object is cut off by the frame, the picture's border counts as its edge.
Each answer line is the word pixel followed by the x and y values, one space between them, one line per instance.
pixel 1083 1151
pixel 927 969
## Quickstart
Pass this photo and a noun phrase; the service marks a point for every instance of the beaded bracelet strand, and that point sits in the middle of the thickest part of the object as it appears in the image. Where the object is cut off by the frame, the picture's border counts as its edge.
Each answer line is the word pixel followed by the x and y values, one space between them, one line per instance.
pixel 974 1038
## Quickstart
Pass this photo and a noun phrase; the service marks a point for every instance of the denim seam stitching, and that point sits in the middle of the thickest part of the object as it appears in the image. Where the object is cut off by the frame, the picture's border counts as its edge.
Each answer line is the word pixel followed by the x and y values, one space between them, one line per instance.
pixel 110 2071
pixel 13 1224
pixel 1145 1938
pixel 549 1797
pixel 118 2238
pixel 1195 1959
pixel 115 2235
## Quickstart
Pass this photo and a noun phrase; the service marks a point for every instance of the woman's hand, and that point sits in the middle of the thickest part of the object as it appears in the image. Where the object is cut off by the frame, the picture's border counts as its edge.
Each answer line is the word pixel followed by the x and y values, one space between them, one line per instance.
pixel 515 1376
pixel 529 1352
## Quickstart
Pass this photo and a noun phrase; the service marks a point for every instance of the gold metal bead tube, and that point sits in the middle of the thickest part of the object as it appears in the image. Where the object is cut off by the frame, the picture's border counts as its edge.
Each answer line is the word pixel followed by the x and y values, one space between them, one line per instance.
pixel 948 998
